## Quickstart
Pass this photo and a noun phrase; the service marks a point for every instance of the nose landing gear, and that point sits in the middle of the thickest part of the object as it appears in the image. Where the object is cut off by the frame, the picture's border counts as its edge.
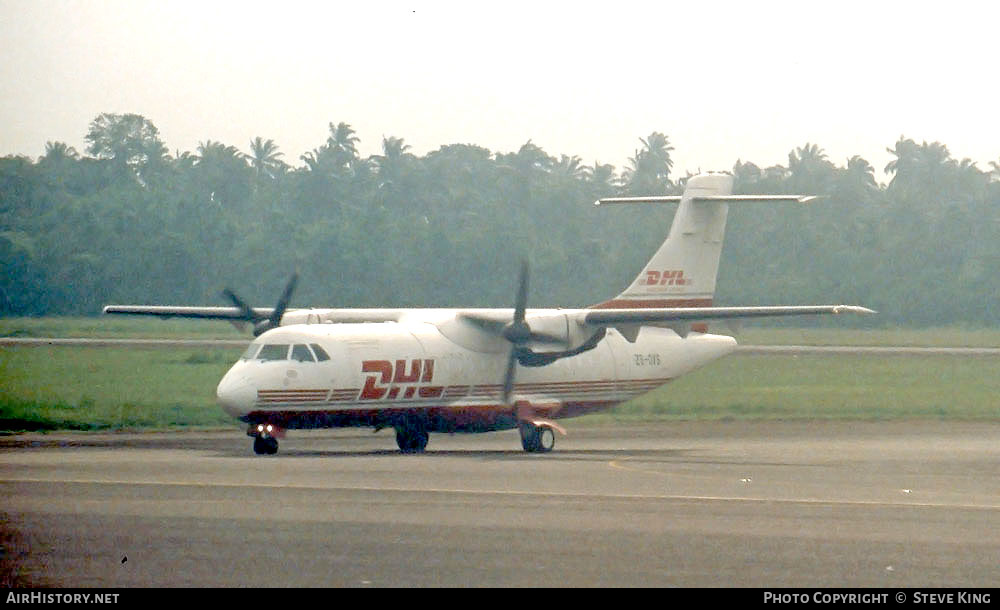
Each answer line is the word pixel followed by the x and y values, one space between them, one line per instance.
pixel 265 438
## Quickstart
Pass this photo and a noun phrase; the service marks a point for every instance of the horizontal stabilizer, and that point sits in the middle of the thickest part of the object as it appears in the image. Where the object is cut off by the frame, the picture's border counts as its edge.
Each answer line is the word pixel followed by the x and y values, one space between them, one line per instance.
pixel 675 314
pixel 711 198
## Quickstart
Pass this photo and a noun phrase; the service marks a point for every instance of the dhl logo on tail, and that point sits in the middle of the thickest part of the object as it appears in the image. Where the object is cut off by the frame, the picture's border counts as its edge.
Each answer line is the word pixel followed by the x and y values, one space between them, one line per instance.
pixel 665 278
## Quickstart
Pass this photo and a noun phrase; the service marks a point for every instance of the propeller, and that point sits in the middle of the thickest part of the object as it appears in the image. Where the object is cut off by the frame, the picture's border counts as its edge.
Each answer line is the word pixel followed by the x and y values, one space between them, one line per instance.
pixel 519 333
pixel 261 322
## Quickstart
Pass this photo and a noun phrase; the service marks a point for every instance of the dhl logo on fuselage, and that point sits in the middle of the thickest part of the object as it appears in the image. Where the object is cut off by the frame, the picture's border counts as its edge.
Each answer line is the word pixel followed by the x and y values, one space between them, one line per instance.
pixel 392 381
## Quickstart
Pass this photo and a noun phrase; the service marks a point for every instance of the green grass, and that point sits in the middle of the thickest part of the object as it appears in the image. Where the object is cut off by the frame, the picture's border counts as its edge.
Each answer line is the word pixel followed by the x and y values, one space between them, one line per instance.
pixel 120 327
pixel 905 337
pixel 826 387
pixel 49 388
pixel 82 388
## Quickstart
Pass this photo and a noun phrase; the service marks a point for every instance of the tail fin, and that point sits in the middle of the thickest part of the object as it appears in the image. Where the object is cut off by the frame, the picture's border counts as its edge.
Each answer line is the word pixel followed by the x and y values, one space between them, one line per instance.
pixel 683 271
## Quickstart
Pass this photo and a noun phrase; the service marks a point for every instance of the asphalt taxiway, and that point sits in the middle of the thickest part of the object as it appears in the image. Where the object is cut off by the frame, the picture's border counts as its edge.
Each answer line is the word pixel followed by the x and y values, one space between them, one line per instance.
pixel 707 504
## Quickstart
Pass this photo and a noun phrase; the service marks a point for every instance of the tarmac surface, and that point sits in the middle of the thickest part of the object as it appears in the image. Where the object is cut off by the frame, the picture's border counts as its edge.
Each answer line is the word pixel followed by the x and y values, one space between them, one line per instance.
pixel 689 504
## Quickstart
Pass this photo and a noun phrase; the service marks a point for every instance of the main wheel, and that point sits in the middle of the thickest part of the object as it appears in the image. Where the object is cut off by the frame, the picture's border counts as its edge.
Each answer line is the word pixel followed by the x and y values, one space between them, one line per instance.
pixel 529 437
pixel 537 439
pixel 412 437
pixel 265 445
pixel 546 439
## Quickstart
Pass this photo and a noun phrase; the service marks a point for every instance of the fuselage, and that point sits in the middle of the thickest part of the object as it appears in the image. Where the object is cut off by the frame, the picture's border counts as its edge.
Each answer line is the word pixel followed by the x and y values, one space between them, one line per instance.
pixel 370 374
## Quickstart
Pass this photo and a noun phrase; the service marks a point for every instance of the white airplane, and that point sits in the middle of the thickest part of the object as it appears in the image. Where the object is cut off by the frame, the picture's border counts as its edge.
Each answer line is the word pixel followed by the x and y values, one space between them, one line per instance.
pixel 482 370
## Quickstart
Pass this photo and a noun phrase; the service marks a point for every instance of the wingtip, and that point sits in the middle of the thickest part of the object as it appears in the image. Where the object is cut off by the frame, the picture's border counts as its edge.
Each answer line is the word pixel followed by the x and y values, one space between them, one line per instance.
pixel 856 309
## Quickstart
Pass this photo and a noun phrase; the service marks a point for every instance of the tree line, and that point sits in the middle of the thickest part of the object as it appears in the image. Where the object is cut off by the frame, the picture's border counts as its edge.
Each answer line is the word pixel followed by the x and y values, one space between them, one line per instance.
pixel 128 222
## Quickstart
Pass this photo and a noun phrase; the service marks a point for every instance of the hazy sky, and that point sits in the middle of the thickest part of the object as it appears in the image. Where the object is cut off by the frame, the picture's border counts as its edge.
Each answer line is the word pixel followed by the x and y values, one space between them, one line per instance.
pixel 724 80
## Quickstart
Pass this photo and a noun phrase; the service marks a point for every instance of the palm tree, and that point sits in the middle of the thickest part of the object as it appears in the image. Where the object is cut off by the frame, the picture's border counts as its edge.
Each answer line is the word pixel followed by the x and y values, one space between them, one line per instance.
pixel 650 167
pixel 856 182
pixel 602 178
pixel 657 147
pixel 224 172
pixel 343 143
pixel 570 167
pixel 862 173
pixel 530 158
pixel 745 176
pixel 967 179
pixel 903 166
pixel 56 152
pixel 392 162
pixel 210 152
pixel 995 172
pixel 810 169
pixel 934 170
pixel 805 158
pixel 932 159
pixel 313 160
pixel 264 159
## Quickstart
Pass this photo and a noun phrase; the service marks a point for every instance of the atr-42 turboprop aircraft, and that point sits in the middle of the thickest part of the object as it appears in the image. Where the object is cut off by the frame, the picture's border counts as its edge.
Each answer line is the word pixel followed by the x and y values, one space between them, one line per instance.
pixel 481 370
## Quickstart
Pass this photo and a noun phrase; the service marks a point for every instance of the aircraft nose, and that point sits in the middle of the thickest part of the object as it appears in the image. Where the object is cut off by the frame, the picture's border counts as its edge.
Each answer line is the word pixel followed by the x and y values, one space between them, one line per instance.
pixel 236 395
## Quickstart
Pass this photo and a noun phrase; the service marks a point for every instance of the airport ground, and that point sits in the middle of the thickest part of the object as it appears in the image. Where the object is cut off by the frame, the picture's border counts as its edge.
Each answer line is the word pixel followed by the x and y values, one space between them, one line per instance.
pixel 690 504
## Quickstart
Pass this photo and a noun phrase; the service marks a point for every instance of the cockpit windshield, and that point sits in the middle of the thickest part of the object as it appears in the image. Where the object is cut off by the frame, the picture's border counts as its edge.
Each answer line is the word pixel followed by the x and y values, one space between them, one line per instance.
pixel 301 353
pixel 273 352
pixel 282 351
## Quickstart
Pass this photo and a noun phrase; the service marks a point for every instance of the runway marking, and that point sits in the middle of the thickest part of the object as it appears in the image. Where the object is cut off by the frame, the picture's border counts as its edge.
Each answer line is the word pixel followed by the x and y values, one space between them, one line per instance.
pixel 614 464
pixel 501 492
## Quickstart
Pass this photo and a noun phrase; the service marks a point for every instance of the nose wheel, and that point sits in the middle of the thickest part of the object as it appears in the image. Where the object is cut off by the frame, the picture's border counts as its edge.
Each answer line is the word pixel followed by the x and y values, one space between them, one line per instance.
pixel 265 445
pixel 537 439
pixel 265 441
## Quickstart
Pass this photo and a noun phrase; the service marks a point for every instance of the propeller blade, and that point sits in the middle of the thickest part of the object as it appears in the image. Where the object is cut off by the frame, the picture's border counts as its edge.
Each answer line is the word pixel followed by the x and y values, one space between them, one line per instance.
pixel 508 378
pixel 242 305
pixel 517 332
pixel 522 294
pixel 286 297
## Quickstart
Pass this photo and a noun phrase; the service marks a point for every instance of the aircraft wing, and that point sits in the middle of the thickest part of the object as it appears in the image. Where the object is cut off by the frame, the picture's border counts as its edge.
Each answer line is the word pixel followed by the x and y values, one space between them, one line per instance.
pixel 259 315
pixel 205 313
pixel 607 317
pixel 562 333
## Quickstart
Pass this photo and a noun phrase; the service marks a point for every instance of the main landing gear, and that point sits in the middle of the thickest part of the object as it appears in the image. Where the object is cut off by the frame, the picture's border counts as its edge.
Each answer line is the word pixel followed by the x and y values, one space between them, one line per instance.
pixel 412 436
pixel 537 439
pixel 265 441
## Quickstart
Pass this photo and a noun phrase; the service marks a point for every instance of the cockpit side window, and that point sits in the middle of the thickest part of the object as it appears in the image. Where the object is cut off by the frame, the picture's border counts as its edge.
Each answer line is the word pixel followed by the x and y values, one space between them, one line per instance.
pixel 321 354
pixel 251 351
pixel 301 353
pixel 273 352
